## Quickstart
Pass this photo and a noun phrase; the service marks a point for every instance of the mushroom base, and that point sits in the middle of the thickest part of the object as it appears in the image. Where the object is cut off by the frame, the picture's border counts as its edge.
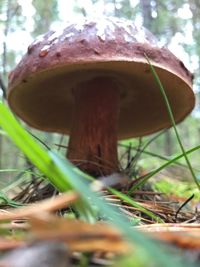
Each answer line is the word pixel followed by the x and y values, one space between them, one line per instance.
pixel 93 137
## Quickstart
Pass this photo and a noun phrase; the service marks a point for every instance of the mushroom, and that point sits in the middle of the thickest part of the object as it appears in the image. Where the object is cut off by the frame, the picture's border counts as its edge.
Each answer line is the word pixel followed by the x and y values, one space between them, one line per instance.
pixel 91 80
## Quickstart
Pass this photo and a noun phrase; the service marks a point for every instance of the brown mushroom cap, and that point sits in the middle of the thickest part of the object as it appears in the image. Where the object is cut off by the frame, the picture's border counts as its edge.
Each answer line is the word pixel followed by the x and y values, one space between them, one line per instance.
pixel 41 86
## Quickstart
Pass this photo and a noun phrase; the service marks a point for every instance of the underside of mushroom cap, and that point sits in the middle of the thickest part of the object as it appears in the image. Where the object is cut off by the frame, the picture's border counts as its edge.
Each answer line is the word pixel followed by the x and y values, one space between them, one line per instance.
pixel 41 86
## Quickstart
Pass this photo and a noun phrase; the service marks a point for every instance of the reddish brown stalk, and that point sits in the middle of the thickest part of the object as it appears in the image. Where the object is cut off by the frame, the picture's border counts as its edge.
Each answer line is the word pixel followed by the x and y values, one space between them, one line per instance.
pixel 93 137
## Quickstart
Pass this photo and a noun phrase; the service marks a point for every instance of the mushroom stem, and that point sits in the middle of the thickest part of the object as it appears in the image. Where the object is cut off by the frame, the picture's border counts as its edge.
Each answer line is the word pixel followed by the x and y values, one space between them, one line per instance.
pixel 93 138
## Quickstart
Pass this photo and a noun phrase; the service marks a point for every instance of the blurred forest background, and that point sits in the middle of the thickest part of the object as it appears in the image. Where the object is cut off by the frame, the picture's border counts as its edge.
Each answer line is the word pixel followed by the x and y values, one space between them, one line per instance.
pixel 176 24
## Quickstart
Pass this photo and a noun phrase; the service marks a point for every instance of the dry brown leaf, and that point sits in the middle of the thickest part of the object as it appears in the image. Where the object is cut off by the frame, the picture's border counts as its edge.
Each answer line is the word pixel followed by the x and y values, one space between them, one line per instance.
pixel 80 236
pixel 181 235
pixel 49 205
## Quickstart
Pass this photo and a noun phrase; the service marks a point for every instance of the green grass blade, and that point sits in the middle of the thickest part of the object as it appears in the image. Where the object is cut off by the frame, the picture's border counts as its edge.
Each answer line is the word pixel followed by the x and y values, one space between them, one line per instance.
pixel 152 173
pixel 162 90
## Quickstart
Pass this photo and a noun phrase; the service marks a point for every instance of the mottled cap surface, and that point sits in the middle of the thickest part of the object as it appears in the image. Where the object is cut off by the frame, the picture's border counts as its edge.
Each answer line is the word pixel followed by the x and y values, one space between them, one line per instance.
pixel 41 86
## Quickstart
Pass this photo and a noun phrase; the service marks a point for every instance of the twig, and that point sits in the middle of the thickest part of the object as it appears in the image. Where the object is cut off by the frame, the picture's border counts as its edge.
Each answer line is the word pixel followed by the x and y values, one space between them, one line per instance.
pixel 183 205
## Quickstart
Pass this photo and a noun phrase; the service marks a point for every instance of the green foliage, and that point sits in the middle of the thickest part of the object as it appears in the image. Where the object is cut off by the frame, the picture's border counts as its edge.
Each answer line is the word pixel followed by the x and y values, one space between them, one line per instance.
pixel 176 188
pixel 11 10
pixel 45 13
pixel 123 9
pixel 11 19
pixel 166 21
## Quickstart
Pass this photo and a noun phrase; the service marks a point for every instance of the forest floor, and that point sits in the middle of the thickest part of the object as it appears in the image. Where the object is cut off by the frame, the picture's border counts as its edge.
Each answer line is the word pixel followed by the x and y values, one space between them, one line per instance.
pixel 45 232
